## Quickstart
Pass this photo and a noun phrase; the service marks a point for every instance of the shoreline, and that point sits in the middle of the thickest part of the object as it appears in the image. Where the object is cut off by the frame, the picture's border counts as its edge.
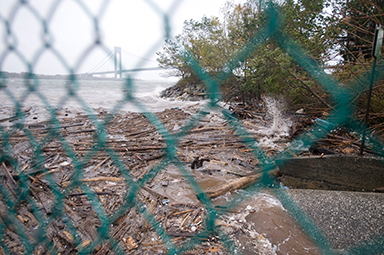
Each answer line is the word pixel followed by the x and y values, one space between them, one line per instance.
pixel 140 147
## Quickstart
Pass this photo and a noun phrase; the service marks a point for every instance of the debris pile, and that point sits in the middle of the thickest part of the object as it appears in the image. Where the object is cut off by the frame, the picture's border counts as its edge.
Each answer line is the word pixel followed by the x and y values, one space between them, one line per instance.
pixel 212 154
pixel 185 93
pixel 139 147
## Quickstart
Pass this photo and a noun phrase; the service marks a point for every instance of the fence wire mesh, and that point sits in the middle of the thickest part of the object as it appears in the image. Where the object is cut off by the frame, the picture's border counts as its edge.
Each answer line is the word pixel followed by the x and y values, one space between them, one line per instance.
pixel 29 220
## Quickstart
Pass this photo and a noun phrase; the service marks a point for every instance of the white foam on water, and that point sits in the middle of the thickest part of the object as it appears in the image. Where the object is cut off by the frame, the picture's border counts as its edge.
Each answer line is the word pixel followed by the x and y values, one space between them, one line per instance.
pixel 277 129
pixel 150 91
pixel 96 94
pixel 279 126
pixel 265 201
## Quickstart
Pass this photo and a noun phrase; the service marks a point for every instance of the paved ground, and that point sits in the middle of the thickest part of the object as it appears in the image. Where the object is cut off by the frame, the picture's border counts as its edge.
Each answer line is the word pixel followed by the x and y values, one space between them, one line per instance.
pixel 347 218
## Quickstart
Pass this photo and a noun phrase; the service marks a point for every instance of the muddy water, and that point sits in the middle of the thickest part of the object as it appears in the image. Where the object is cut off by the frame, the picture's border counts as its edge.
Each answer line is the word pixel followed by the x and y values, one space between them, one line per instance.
pixel 174 185
pixel 272 221
pixel 268 216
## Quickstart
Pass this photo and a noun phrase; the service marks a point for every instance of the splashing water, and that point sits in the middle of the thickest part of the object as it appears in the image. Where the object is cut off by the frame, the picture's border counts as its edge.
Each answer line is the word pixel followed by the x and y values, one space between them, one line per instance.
pixel 279 126
pixel 276 129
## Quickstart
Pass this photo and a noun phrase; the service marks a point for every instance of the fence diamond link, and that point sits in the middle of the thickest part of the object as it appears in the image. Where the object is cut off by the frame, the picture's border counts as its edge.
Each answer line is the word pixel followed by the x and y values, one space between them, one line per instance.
pixel 14 198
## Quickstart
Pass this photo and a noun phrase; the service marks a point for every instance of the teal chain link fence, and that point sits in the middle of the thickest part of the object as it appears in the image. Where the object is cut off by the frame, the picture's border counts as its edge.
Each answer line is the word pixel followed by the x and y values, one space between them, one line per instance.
pixel 18 197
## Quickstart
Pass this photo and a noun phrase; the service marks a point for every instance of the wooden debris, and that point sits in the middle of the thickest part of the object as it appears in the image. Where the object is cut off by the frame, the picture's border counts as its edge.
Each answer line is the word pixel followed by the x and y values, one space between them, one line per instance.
pixel 102 162
pixel 139 147
pixel 10 182
pixel 237 172
pixel 217 162
pixel 130 243
pixel 182 223
pixel 178 213
pixel 104 178
pixel 83 245
pixel 161 197
pixel 205 129
pixel 66 236
pixel 238 184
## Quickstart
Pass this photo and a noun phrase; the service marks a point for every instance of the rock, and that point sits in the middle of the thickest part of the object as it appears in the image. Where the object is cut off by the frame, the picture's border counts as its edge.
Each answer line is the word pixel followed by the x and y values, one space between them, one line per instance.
pixel 200 87
pixel 184 96
pixel 188 90
pixel 191 92
pixel 349 151
pixel 194 98
pixel 197 163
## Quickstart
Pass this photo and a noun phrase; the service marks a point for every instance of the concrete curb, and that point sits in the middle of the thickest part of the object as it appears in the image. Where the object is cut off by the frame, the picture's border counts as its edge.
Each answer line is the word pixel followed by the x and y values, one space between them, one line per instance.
pixel 350 172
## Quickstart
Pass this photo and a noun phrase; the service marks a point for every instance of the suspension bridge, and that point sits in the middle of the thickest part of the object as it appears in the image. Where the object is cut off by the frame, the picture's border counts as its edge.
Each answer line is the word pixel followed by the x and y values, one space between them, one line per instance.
pixel 118 71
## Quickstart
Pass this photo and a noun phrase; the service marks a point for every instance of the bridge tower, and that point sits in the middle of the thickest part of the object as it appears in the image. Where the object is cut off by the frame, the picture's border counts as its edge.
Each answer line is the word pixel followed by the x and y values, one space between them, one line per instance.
pixel 118 62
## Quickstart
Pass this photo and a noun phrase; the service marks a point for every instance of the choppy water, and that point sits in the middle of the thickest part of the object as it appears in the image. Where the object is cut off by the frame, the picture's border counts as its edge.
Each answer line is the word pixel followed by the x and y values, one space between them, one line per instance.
pixel 94 94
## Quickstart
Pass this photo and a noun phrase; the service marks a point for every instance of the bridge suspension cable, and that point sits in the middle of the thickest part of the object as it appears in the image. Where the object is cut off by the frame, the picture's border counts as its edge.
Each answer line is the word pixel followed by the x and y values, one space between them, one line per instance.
pixel 130 53
pixel 111 55
pixel 102 62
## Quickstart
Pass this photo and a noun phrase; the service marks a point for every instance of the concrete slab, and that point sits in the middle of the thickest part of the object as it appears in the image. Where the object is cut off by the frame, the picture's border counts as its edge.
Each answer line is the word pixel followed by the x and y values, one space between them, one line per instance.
pixel 347 219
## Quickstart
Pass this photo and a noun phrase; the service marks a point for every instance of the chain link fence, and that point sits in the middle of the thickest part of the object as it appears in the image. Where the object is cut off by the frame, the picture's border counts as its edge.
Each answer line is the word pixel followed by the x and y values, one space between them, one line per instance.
pixel 28 220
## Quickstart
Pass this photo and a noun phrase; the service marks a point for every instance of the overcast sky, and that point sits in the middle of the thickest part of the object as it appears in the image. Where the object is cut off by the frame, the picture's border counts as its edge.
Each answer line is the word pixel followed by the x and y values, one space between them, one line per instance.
pixel 137 26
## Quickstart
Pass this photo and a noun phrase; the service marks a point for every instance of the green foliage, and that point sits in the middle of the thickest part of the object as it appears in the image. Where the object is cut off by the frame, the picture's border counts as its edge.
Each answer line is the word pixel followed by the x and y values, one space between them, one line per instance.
pixel 242 22
pixel 310 25
pixel 170 58
pixel 204 40
pixel 269 69
pixel 265 69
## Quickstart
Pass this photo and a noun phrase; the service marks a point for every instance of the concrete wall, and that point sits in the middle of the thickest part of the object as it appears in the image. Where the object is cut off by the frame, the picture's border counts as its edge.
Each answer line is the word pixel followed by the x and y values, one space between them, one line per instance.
pixel 355 173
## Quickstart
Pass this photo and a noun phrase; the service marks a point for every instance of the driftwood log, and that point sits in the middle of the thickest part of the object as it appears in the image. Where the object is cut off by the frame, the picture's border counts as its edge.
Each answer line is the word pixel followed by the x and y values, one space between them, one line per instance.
pixel 241 183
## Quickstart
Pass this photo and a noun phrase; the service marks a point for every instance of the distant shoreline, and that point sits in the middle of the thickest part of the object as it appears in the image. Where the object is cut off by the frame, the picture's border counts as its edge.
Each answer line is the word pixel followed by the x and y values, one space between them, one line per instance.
pixel 26 75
